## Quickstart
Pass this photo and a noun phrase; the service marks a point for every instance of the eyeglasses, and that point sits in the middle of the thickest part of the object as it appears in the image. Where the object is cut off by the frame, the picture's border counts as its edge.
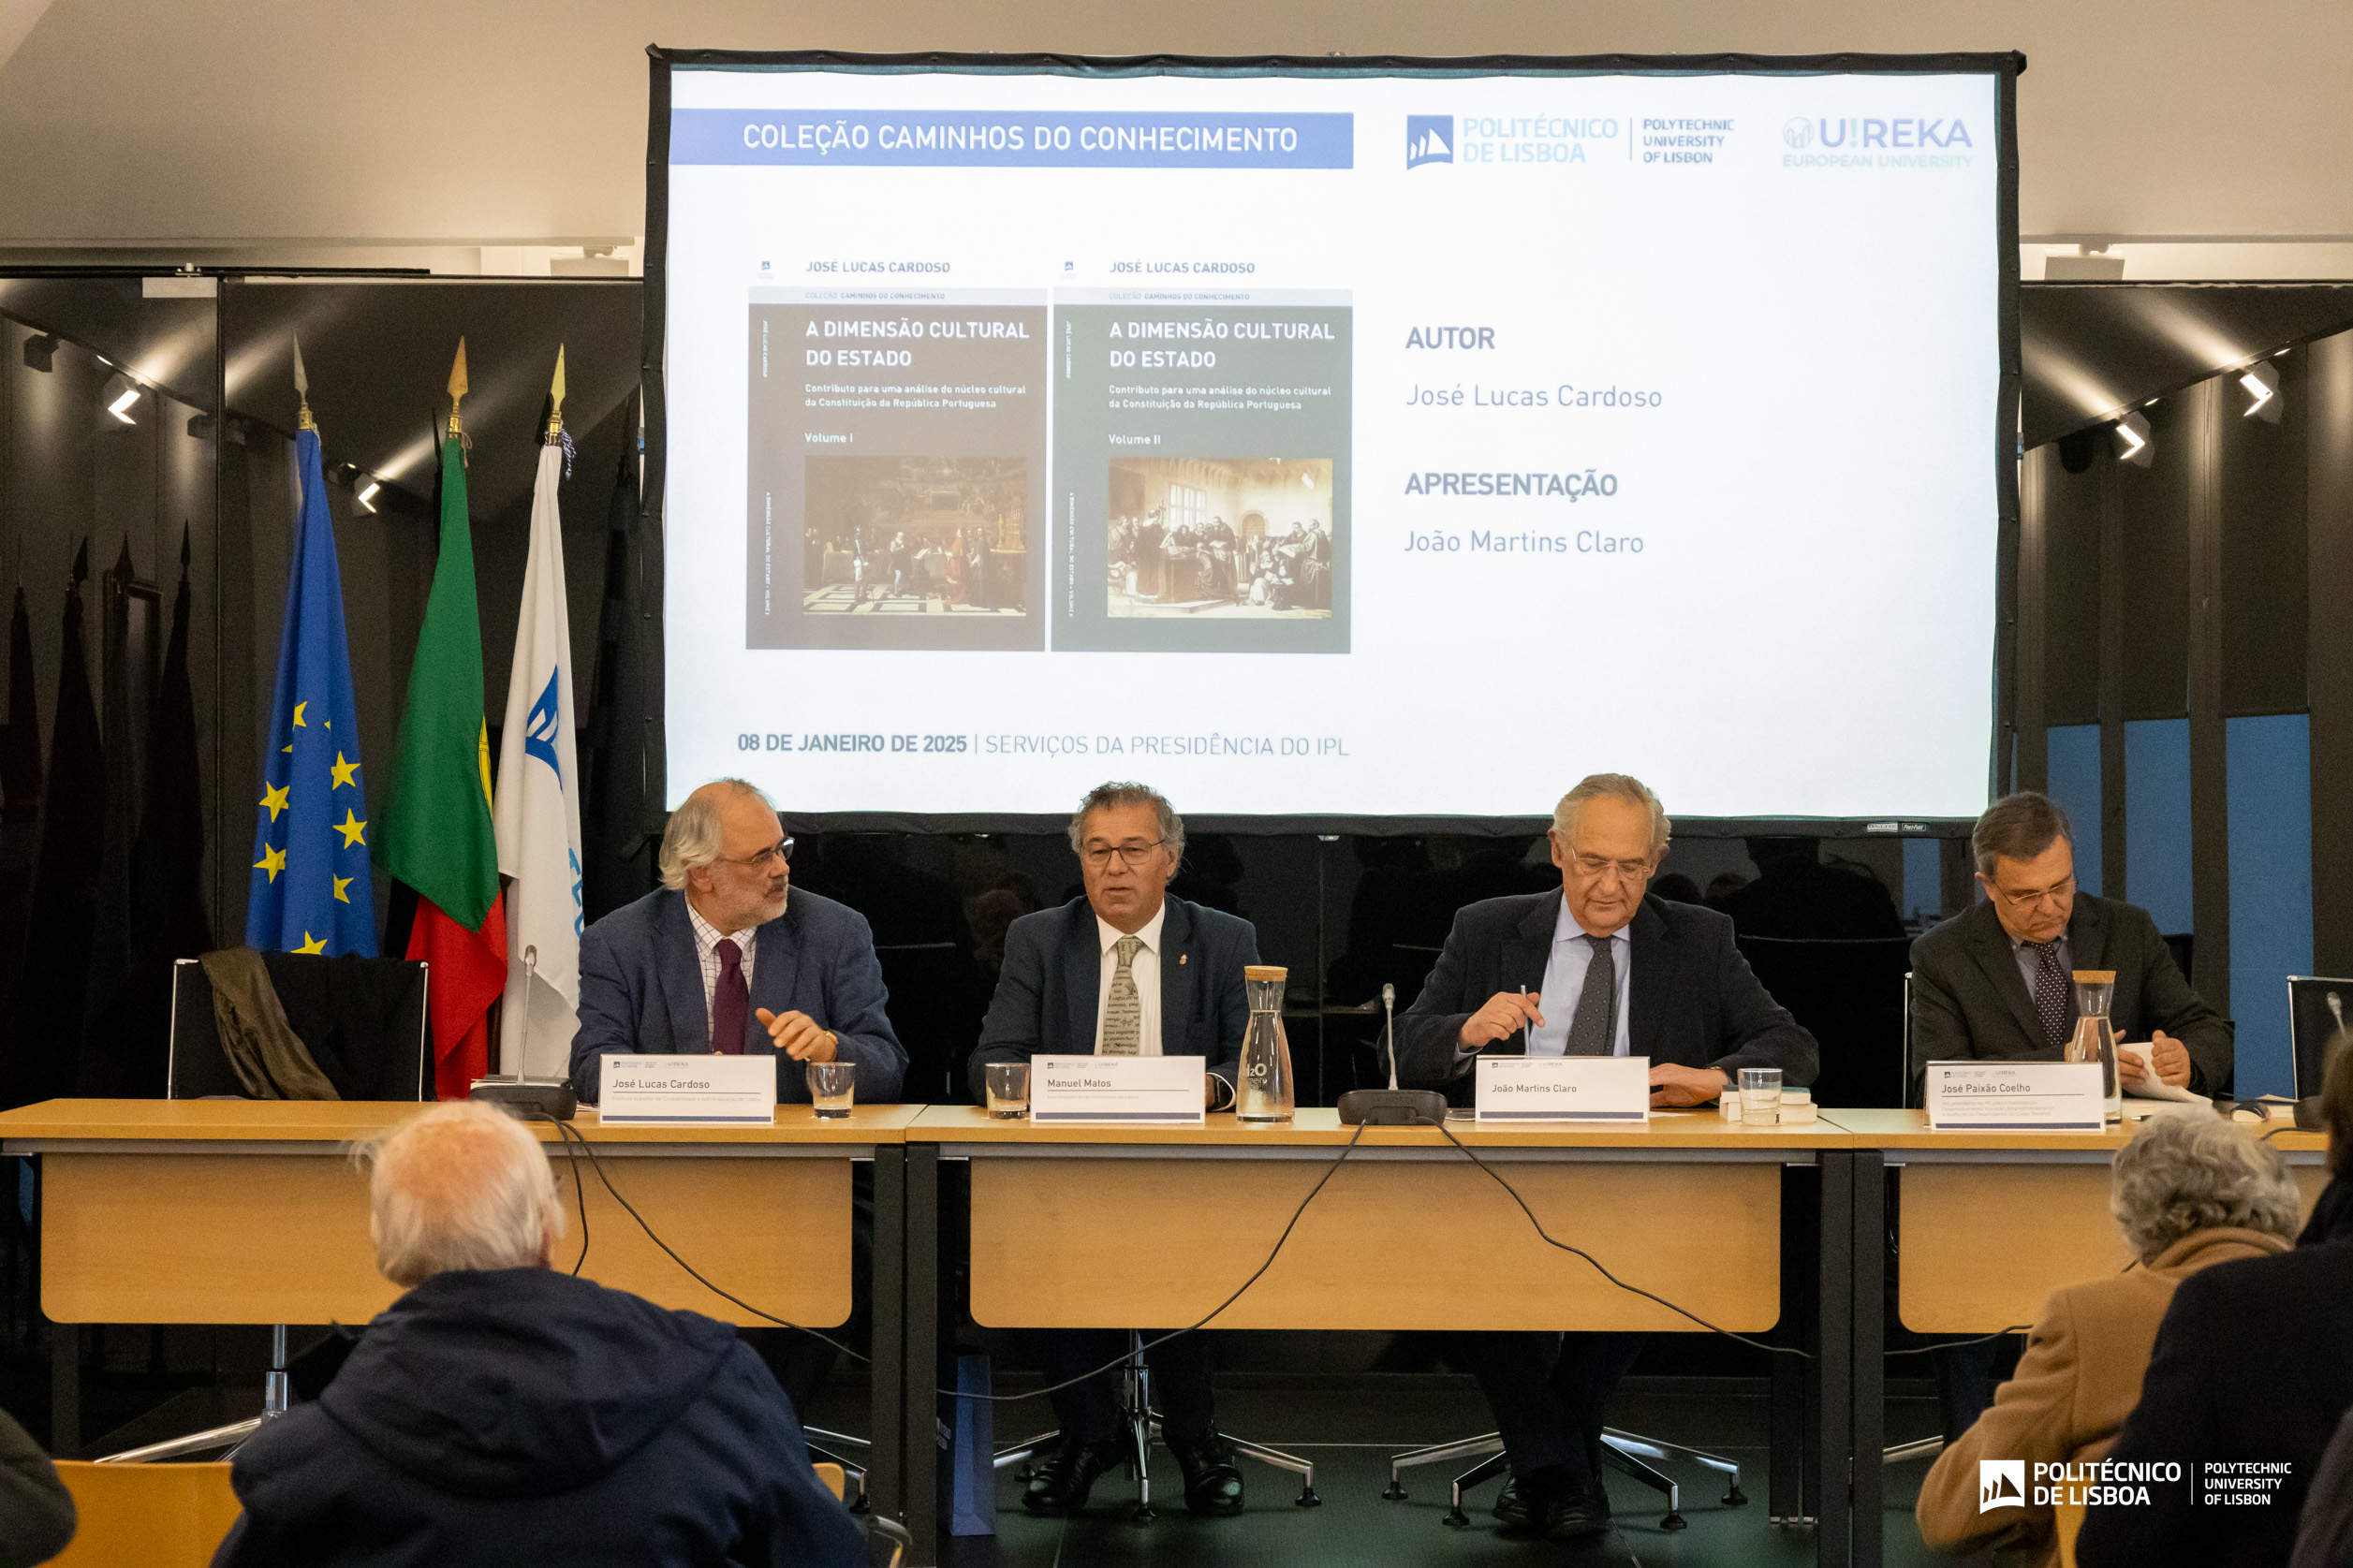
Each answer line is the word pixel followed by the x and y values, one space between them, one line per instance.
pixel 1600 868
pixel 1131 855
pixel 780 851
pixel 2027 899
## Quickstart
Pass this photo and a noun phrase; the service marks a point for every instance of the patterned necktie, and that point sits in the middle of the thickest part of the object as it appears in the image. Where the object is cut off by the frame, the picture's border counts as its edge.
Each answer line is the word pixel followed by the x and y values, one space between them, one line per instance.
pixel 732 1003
pixel 1594 1030
pixel 1124 1014
pixel 2054 1003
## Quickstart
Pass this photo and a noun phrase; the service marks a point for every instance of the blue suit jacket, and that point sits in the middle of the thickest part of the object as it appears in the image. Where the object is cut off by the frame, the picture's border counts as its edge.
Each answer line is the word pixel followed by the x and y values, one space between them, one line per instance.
pixel 1050 987
pixel 641 991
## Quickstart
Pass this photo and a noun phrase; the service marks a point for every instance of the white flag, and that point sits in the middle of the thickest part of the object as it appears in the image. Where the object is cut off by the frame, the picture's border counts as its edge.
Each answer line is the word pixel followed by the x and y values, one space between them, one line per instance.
pixel 538 809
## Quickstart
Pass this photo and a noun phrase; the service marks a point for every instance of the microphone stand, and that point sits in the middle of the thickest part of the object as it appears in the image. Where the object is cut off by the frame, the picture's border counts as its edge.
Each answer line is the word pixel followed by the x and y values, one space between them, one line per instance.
pixel 1391 1106
pixel 549 1097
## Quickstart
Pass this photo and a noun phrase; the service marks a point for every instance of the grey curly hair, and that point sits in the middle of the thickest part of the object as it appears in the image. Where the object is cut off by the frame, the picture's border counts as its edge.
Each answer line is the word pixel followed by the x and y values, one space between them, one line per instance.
pixel 2189 1170
pixel 1127 793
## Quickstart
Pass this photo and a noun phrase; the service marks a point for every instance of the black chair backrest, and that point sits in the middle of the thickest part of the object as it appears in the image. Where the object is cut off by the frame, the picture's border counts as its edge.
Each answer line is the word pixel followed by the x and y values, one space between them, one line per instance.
pixel 364 1021
pixel 1849 996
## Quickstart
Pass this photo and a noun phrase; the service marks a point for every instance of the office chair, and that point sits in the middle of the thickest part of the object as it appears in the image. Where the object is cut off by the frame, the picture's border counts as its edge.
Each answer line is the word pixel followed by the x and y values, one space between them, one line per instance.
pixel 1623 1451
pixel 1143 1430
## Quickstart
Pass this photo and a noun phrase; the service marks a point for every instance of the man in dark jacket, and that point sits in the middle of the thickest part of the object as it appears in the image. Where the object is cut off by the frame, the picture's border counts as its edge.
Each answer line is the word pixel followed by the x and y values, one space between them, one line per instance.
pixel 1125 971
pixel 501 1413
pixel 1595 969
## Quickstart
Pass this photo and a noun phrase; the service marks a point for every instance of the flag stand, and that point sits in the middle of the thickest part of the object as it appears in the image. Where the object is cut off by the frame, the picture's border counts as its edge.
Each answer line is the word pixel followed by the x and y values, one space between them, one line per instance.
pixel 276 1397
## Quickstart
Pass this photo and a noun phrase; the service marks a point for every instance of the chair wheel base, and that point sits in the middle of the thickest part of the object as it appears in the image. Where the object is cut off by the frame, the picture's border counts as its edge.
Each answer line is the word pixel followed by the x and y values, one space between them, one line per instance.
pixel 1143 1515
pixel 1392 1492
pixel 1674 1522
pixel 1735 1498
pixel 1307 1499
pixel 1456 1519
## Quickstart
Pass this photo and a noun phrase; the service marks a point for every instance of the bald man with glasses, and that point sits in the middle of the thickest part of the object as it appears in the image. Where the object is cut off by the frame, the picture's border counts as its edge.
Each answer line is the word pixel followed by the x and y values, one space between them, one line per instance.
pixel 1125 970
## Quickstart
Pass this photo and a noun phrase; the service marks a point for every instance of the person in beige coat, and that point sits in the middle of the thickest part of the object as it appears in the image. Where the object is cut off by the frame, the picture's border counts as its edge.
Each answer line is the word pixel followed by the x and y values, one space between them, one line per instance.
pixel 2188 1192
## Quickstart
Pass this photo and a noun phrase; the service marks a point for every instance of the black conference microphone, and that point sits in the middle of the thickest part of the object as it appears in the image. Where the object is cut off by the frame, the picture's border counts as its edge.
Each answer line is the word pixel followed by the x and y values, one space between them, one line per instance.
pixel 1391 1106
pixel 552 1098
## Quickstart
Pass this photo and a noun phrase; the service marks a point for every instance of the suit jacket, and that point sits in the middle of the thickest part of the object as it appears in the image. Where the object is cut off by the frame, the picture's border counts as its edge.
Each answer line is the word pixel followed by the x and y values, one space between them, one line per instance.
pixel 1969 999
pixel 1693 1000
pixel 2075 1385
pixel 641 992
pixel 1050 990
pixel 2250 1367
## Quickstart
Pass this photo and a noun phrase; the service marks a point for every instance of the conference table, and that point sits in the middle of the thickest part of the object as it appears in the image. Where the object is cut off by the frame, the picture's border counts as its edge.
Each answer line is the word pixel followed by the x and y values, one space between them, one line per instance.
pixel 255 1212
pixel 1154 1227
pixel 1990 1224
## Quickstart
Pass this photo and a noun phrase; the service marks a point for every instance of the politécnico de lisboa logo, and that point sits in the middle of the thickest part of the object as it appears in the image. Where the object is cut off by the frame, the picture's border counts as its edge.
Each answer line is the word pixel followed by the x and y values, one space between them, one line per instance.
pixel 1798 133
pixel 2001 1484
pixel 1429 139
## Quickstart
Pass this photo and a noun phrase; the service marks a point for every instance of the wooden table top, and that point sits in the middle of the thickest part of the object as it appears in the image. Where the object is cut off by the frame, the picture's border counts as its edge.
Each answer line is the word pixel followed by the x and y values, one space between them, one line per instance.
pixel 1909 1129
pixel 1319 1126
pixel 342 1121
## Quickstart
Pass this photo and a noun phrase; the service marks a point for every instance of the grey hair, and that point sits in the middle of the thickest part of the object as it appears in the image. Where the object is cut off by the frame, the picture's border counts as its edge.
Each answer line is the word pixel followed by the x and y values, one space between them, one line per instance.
pixel 2189 1171
pixel 691 839
pixel 1172 826
pixel 1618 787
pixel 2018 828
pixel 462 1185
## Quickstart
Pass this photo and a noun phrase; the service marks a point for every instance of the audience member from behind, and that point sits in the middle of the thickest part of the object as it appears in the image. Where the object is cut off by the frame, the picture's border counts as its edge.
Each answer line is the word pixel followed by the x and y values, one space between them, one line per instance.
pixel 37 1513
pixel 502 1413
pixel 2250 1369
pixel 2188 1192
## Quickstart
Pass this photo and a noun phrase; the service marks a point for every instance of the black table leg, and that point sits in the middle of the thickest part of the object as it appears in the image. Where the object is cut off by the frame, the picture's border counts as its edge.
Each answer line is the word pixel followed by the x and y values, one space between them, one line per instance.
pixel 1834 1528
pixel 1868 1439
pixel 1792 1487
pixel 886 1459
pixel 65 1390
pixel 919 1477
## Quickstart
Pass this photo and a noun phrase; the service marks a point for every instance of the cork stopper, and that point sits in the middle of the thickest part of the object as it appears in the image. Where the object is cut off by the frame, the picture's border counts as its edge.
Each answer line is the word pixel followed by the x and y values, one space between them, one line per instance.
pixel 1264 971
pixel 2095 977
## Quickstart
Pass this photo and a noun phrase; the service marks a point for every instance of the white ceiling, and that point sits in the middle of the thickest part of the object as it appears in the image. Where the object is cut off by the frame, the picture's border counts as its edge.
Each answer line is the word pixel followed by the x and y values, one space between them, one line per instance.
pixel 346 131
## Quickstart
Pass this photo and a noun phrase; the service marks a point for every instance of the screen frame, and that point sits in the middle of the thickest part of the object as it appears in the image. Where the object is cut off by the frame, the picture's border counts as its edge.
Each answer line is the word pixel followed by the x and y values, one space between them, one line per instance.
pixel 2004 69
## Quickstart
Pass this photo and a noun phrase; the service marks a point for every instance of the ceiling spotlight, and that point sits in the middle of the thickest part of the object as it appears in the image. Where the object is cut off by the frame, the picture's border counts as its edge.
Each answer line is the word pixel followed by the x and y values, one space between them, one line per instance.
pixel 39 350
pixel 121 392
pixel 2261 380
pixel 2132 435
pixel 364 489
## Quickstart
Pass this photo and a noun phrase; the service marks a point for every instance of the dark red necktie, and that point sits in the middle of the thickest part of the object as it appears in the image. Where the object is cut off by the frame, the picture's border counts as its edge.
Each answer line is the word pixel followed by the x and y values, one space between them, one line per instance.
pixel 732 1003
pixel 2055 995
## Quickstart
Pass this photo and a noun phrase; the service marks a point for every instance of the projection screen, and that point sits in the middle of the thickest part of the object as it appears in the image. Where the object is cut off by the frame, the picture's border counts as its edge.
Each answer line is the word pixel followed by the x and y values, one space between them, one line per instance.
pixel 1385 442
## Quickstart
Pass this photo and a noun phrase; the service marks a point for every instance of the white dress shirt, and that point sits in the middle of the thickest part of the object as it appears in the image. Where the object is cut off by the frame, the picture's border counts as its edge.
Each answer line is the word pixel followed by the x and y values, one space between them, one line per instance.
pixel 1145 969
pixel 1565 984
pixel 707 938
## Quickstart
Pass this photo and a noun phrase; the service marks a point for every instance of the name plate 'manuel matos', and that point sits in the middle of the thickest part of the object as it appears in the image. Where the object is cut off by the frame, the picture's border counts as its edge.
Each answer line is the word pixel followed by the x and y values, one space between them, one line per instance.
pixel 1116 1091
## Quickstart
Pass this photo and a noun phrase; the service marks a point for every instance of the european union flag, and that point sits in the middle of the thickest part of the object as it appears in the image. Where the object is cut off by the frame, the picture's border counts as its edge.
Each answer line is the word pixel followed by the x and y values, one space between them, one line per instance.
pixel 311 889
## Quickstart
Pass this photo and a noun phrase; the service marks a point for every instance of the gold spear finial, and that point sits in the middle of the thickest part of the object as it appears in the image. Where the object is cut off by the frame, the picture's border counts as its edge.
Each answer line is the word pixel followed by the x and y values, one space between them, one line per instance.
pixel 302 389
pixel 555 394
pixel 457 389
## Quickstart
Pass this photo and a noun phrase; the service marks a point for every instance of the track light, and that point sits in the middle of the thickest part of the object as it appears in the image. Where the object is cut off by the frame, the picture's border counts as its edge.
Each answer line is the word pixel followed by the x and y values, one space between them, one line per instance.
pixel 121 392
pixel 2261 380
pixel 2132 435
pixel 364 489
pixel 40 351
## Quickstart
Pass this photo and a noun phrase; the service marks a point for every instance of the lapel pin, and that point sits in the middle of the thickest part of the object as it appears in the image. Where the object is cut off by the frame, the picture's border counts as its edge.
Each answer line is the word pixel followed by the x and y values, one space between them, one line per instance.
pixel 1180 957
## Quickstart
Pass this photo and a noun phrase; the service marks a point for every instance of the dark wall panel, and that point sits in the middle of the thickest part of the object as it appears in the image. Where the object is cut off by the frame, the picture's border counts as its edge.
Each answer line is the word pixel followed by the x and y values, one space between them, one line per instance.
pixel 2072 592
pixel 2262 491
pixel 2156 504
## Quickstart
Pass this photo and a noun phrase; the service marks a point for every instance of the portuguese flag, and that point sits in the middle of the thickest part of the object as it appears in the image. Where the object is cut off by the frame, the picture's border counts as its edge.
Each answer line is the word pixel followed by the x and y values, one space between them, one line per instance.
pixel 438 836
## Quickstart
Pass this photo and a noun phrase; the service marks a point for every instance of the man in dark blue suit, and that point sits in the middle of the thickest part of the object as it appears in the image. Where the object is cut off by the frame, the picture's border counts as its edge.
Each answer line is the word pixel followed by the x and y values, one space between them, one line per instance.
pixel 727 959
pixel 724 959
pixel 1125 971
pixel 1596 969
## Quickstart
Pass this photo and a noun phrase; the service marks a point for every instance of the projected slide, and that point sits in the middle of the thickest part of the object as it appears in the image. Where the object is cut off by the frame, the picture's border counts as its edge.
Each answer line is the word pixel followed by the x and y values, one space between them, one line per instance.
pixel 1394 446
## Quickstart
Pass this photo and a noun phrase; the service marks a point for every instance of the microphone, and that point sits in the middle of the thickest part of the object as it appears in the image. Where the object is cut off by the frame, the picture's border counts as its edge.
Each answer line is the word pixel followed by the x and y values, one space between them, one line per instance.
pixel 1391 1106
pixel 552 1098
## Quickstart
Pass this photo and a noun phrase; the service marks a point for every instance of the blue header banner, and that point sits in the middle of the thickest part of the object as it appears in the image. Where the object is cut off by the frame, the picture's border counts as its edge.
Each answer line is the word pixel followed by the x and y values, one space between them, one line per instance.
pixel 1003 138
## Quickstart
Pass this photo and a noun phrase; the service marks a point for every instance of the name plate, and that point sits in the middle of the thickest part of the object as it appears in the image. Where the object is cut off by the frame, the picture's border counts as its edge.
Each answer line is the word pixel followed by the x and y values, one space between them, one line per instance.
pixel 1608 1089
pixel 705 1090
pixel 1115 1090
pixel 2016 1097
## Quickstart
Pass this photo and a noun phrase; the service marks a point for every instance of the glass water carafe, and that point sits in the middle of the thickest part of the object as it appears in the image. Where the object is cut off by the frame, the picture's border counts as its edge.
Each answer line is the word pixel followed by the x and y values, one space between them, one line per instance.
pixel 2095 1038
pixel 1263 1096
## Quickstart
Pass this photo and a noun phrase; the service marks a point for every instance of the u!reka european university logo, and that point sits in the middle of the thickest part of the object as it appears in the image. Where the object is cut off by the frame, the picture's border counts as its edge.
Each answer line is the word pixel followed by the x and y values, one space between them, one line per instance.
pixel 2001 1484
pixel 1429 139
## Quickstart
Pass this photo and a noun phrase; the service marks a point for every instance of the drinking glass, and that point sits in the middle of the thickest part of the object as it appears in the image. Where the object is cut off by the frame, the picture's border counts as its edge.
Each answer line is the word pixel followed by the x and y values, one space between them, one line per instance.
pixel 832 1088
pixel 1761 1096
pixel 1009 1090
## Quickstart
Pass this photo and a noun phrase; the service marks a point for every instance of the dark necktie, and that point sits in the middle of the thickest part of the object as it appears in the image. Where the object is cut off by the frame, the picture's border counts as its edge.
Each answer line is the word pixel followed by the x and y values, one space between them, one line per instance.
pixel 1594 1029
pixel 732 1002
pixel 2054 1003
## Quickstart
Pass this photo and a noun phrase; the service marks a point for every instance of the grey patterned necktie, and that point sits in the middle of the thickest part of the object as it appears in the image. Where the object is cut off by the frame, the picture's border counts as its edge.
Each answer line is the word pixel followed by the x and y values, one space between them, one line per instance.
pixel 1124 1014
pixel 1594 1030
